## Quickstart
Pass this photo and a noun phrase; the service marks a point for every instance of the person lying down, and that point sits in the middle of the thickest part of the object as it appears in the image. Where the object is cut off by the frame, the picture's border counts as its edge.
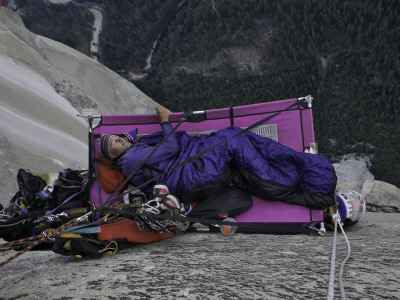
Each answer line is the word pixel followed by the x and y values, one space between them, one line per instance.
pixel 255 164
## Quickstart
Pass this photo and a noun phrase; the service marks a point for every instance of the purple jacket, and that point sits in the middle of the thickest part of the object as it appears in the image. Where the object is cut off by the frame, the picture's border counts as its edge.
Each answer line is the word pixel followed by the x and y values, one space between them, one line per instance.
pixel 256 164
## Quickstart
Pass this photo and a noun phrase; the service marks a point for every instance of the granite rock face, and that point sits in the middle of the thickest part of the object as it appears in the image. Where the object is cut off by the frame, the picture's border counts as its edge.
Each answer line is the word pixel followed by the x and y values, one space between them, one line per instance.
pixel 213 266
pixel 353 174
pixel 381 193
pixel 84 82
pixel 44 85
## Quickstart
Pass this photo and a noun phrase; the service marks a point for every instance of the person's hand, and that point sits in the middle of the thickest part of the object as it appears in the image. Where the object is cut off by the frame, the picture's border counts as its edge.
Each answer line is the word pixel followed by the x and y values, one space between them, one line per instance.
pixel 162 114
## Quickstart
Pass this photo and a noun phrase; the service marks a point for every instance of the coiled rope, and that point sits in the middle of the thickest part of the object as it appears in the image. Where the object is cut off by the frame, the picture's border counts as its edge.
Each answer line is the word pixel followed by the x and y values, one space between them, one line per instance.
pixel 331 292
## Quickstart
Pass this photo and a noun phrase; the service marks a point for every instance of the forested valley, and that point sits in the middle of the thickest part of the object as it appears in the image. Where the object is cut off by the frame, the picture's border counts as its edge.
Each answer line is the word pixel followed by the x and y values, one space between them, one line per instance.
pixel 218 53
pixel 67 24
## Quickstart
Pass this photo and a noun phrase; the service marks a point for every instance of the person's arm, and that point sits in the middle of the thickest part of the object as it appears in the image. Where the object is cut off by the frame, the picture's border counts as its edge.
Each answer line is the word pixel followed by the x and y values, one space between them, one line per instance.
pixel 139 152
pixel 162 114
pixel 170 145
pixel 168 149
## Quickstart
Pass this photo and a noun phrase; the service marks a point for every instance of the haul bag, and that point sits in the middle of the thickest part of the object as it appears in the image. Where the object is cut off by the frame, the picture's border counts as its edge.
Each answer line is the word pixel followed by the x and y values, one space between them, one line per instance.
pixel 128 229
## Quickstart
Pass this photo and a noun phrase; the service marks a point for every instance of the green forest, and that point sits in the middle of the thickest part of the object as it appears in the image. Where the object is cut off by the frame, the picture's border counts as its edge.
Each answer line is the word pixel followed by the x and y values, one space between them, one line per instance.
pixel 356 98
pixel 67 24
pixel 219 53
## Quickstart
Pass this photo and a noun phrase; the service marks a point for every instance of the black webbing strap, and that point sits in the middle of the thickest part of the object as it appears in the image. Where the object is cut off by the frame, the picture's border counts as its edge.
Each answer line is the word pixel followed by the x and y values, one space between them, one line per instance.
pixel 147 173
pixel 95 167
pixel 152 168
pixel 189 159
pixel 302 127
pixel 231 116
pixel 113 166
pixel 200 169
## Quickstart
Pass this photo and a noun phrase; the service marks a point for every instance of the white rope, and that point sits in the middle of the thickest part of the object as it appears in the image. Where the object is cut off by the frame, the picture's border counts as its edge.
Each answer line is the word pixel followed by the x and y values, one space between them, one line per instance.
pixel 342 293
pixel 331 292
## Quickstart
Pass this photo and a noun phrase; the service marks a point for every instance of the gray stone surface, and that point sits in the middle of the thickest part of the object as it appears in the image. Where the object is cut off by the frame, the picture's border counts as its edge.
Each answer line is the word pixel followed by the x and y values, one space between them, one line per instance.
pixel 43 86
pixel 213 266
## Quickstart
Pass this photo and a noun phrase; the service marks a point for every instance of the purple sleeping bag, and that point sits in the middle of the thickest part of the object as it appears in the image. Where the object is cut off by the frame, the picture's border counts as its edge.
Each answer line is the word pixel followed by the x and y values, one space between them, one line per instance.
pixel 256 164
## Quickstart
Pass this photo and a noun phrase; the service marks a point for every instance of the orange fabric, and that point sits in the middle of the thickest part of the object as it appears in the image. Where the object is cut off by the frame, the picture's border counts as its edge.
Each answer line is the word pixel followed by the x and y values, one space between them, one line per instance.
pixel 109 178
pixel 128 229
pixel 223 215
pixel 194 204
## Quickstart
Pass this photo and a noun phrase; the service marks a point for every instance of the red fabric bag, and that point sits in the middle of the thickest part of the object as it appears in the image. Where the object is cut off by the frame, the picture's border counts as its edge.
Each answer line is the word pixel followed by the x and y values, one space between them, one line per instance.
pixel 128 229
pixel 110 176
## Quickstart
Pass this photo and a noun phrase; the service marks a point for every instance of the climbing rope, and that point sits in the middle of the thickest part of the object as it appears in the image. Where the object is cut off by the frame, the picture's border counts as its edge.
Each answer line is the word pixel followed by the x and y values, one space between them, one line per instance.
pixel 48 235
pixel 342 292
pixel 331 292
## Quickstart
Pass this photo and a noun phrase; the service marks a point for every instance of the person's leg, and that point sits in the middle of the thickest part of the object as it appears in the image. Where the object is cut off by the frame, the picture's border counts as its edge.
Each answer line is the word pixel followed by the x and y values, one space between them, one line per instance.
pixel 275 172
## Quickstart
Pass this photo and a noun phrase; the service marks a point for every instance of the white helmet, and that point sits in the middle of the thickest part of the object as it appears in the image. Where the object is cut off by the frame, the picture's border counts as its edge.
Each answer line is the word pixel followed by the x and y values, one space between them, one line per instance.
pixel 351 205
